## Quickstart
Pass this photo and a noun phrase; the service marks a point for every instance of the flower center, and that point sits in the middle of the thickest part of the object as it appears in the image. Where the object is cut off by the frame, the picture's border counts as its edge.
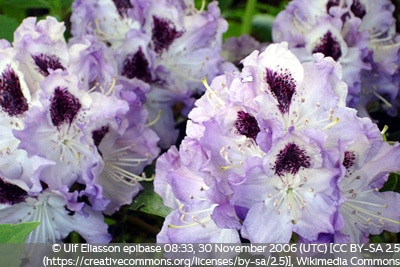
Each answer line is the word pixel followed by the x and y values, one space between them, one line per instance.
pixel 122 6
pixel 358 9
pixel 290 159
pixel 12 99
pixel 163 33
pixel 136 66
pixel 328 46
pixel 46 62
pixel 349 159
pixel 64 107
pixel 11 194
pixel 247 125
pixel 282 87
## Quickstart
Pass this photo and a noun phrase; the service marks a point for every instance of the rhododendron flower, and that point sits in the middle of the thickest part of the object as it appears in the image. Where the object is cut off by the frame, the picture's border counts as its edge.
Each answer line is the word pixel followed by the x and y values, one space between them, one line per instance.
pixel 167 45
pixel 49 208
pixel 268 146
pixel 180 182
pixel 361 34
pixel 364 209
pixel 72 131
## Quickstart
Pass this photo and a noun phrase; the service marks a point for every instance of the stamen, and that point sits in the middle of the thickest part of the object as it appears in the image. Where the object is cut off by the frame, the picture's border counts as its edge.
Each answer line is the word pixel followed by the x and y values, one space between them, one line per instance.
pixel 68 144
pixel 210 92
pixel 194 219
pixel 128 162
pixel 384 130
pixel 203 5
pixel 224 168
pixel 225 155
pixel 94 87
pixel 367 212
pixel 151 123
pixel 111 88
pixel 121 175
pixel 117 160
pixel 331 124
pixel 368 203
pixel 386 102
pixel 181 209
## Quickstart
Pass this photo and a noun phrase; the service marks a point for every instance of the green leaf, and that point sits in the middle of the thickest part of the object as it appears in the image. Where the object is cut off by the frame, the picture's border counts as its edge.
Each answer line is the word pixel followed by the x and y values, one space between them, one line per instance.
pixel 12 242
pixel 11 254
pixel 8 26
pixel 248 16
pixel 272 9
pixel 149 202
pixel 262 27
pixel 233 30
pixel 392 184
pixel 16 233
pixel 224 4
pixel 26 3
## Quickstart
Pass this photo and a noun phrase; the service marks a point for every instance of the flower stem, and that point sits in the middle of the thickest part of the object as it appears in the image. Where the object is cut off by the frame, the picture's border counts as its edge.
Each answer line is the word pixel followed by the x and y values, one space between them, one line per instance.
pixel 248 16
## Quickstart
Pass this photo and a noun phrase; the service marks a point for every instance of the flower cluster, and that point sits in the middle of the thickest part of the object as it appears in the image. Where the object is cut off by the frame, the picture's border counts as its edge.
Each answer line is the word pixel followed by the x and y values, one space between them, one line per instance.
pixel 272 153
pixel 164 47
pixel 74 138
pixel 361 34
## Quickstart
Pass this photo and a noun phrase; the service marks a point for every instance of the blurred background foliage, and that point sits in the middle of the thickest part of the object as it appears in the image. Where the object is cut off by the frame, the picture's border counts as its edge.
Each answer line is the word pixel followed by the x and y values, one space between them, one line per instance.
pixel 245 17
pixel 142 220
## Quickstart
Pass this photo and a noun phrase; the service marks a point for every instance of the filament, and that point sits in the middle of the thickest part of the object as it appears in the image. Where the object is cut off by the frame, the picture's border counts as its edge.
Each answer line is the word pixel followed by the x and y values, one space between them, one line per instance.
pixel 151 123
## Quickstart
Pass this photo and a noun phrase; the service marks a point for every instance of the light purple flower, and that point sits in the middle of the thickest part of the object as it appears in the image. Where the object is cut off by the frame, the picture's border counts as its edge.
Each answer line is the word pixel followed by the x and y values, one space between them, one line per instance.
pixel 356 33
pixel 168 45
pixel 245 121
pixel 292 189
pixel 269 143
pixel 124 156
pixel 72 128
pixel 49 208
pixel 180 182
pixel 93 63
pixel 365 209
pixel 40 48
pixel 116 20
pixel 15 167
pixel 75 95
pixel 54 130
